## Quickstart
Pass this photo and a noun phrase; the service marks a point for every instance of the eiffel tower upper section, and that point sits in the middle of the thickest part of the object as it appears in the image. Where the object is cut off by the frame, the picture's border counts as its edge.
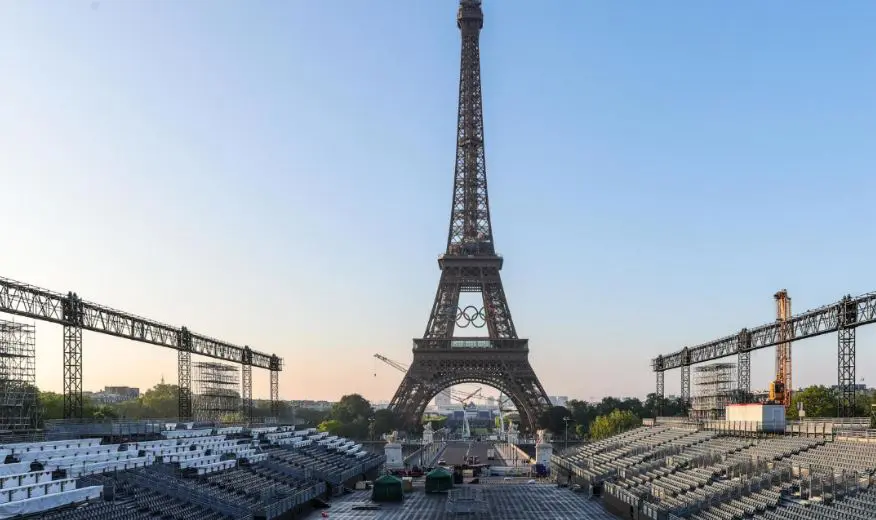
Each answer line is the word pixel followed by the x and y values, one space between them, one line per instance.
pixel 470 262
pixel 471 232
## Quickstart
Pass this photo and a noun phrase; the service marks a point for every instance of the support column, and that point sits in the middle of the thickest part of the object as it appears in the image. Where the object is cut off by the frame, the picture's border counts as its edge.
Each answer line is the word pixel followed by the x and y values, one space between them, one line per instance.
pixel 275 386
pixel 685 385
pixel 685 378
pixel 743 375
pixel 657 367
pixel 848 318
pixel 246 385
pixel 743 367
pixel 184 374
pixel 73 320
pixel 660 393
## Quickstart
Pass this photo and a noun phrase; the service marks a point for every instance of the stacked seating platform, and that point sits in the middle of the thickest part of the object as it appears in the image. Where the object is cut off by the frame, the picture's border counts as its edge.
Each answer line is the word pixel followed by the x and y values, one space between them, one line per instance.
pixel 184 473
pixel 671 472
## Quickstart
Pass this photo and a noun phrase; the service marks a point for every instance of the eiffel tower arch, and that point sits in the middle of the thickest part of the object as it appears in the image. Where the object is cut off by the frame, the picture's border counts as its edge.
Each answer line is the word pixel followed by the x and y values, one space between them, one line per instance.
pixel 470 265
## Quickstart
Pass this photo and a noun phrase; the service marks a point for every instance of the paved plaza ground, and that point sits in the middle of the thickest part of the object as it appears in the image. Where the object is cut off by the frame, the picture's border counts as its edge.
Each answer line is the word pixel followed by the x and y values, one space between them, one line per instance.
pixel 505 501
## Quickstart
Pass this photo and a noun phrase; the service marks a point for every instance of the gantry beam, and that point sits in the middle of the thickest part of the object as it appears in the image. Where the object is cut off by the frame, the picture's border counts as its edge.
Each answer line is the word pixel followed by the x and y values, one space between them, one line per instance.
pixel 76 315
pixel 41 304
pixel 807 325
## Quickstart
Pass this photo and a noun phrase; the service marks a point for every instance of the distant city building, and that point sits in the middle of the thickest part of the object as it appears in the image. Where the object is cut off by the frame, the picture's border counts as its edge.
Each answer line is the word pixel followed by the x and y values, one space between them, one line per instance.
pixel 115 394
pixel 559 400
pixel 443 398
pixel 126 391
pixel 322 406
pixel 861 387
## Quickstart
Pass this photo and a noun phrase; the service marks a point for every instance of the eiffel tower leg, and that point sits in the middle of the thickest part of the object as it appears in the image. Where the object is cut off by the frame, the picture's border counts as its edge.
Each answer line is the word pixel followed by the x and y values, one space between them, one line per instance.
pixel 498 313
pixel 443 316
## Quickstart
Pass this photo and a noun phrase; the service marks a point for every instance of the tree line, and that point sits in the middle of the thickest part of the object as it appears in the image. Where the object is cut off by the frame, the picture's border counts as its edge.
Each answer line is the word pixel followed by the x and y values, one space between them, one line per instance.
pixel 821 401
pixel 159 402
pixel 353 416
pixel 612 415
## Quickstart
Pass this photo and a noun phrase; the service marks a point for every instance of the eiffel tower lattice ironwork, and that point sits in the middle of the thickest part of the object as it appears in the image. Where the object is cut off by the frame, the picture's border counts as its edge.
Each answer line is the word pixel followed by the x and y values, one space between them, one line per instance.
pixel 470 264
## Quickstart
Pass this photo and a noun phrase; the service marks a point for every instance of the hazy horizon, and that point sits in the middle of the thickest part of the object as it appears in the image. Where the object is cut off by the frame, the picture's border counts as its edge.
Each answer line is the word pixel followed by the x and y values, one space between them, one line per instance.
pixel 279 176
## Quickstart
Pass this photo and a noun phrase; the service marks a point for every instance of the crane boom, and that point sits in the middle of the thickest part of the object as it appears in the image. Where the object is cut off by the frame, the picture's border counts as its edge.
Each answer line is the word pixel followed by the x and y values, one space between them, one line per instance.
pixel 394 364
pixel 456 396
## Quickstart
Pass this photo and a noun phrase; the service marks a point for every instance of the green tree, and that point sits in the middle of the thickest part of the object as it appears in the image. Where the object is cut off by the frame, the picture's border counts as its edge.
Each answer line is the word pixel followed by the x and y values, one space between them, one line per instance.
pixel 310 418
pixel 385 421
pixel 664 407
pixel 616 422
pixel 51 405
pixel 161 401
pixel 352 408
pixel 582 413
pixel 232 418
pixel 332 426
pixel 103 412
pixel 552 419
pixel 863 404
pixel 132 409
pixel 354 413
pixel 817 401
pixel 439 422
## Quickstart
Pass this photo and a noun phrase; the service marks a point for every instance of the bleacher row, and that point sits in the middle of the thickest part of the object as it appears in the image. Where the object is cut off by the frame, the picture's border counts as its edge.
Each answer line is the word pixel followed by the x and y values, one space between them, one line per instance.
pixel 665 472
pixel 186 474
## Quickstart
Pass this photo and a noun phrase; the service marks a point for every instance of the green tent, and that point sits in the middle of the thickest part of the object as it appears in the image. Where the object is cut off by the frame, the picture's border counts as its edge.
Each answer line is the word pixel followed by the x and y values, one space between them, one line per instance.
pixel 439 479
pixel 387 489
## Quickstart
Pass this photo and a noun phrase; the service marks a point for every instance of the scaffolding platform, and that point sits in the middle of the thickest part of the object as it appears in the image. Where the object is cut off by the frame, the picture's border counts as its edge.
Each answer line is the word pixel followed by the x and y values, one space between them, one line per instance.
pixel 715 385
pixel 18 392
pixel 216 391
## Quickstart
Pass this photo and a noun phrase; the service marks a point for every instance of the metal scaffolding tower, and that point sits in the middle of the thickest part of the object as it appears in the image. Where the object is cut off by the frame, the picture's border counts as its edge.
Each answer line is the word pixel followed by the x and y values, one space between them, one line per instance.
pixel 18 392
pixel 217 394
pixel 715 390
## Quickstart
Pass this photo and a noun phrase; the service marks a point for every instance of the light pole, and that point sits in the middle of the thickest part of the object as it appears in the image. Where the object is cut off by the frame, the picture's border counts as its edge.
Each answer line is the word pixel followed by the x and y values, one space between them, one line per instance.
pixel 566 443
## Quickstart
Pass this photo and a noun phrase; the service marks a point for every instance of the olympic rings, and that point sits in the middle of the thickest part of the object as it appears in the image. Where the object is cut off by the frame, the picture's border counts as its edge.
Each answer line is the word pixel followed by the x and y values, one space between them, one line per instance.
pixel 471 315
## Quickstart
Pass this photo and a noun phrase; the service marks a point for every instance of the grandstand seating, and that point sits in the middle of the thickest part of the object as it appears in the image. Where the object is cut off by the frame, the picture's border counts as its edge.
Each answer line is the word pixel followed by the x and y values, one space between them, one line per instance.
pixel 187 474
pixel 668 472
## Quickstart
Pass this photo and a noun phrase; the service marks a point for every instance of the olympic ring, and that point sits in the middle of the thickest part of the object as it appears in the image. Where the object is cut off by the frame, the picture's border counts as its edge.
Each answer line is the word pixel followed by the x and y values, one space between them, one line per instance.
pixel 471 315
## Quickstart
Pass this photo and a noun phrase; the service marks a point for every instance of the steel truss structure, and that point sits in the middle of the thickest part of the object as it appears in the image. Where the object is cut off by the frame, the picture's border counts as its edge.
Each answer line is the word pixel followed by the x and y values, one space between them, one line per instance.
pixel 470 264
pixel 842 317
pixel 246 386
pixel 715 390
pixel 216 393
pixel 18 392
pixel 77 315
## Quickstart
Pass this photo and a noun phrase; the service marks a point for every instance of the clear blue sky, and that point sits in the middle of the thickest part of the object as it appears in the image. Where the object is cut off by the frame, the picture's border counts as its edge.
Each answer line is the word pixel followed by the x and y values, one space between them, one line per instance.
pixel 279 174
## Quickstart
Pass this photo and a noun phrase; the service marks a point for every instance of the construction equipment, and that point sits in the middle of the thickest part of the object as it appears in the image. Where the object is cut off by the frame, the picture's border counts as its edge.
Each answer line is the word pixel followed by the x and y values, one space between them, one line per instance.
pixel 780 388
pixel 502 402
pixel 460 397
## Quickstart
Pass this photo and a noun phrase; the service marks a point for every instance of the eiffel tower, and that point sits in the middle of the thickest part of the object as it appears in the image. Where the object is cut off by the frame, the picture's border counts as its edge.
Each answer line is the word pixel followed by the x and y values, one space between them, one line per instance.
pixel 470 264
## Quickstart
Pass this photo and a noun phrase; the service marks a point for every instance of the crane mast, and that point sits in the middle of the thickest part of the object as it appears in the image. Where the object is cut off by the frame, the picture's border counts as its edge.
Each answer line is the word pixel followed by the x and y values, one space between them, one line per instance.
pixel 780 388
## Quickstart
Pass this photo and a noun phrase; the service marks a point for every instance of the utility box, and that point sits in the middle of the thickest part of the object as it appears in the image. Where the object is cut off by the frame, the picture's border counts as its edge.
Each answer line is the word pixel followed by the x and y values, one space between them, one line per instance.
pixel 769 417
